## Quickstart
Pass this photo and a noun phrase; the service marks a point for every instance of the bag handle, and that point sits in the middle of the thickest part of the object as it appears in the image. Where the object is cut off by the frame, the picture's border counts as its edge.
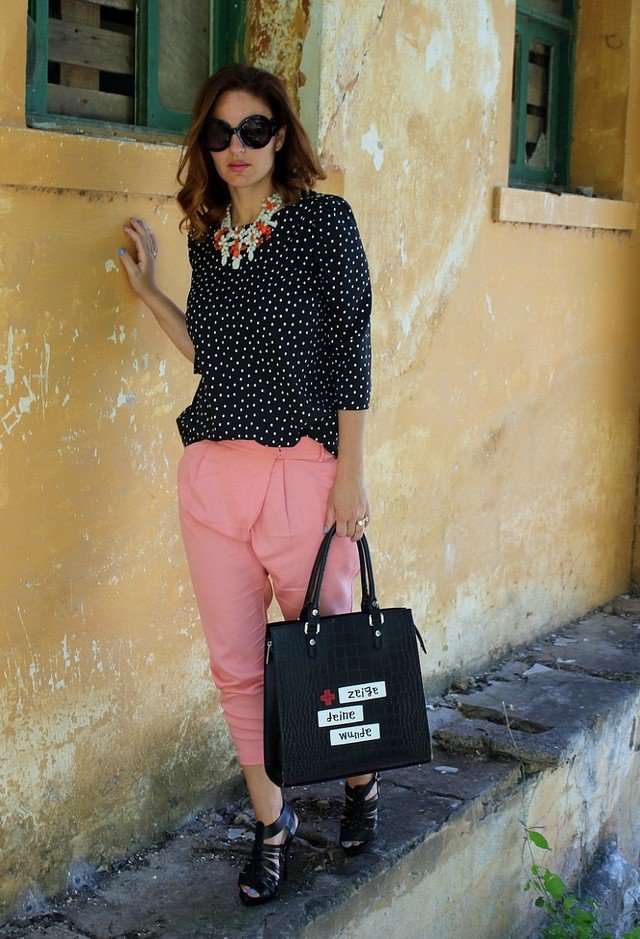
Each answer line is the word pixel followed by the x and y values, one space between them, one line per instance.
pixel 312 596
pixel 310 613
pixel 369 601
pixel 321 559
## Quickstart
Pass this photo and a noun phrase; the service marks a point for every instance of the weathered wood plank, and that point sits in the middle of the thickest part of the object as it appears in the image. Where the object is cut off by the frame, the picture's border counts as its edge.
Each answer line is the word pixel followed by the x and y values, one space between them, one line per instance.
pixel 77 77
pixel 79 11
pixel 75 44
pixel 100 105
pixel 183 66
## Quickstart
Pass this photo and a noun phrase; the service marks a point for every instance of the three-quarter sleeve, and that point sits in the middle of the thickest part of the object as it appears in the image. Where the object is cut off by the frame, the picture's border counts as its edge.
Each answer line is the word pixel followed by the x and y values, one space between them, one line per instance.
pixel 345 288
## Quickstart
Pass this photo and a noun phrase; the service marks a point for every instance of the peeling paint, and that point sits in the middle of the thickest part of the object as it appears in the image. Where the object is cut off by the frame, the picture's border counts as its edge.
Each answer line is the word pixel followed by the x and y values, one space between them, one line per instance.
pixel 43 376
pixel 372 144
pixel 276 33
pixel 421 144
pixel 122 399
pixel 439 53
pixel 25 402
pixel 7 368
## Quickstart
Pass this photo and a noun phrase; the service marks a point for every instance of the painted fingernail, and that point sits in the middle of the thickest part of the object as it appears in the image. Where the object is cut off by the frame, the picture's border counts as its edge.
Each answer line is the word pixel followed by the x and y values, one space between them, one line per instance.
pixel 120 250
pixel 325 529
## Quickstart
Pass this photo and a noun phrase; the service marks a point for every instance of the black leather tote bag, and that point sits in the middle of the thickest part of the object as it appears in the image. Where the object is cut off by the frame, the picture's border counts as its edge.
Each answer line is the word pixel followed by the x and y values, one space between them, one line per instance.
pixel 343 694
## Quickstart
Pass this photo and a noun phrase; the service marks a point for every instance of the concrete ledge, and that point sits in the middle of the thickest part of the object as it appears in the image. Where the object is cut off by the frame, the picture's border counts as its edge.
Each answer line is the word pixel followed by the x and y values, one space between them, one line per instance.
pixel 92 163
pixel 535 207
pixel 540 738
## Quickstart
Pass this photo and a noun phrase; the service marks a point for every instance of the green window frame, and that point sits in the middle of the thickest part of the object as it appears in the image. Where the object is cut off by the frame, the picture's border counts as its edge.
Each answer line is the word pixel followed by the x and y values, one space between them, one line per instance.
pixel 151 117
pixel 537 27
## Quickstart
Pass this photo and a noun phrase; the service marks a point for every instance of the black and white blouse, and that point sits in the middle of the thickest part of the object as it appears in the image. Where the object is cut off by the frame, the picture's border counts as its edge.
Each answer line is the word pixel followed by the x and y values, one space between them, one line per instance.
pixel 283 341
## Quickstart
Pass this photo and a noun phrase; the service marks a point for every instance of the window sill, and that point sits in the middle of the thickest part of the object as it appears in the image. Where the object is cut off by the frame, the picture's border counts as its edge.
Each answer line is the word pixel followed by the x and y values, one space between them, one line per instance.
pixel 533 207
pixel 39 158
pixel 32 159
pixel 81 127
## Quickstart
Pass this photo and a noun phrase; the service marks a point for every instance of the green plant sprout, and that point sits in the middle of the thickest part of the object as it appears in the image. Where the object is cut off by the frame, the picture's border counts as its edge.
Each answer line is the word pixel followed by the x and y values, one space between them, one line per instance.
pixel 572 917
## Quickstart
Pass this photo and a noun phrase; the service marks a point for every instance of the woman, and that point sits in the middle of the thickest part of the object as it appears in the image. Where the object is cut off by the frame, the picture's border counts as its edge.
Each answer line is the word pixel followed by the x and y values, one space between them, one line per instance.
pixel 277 325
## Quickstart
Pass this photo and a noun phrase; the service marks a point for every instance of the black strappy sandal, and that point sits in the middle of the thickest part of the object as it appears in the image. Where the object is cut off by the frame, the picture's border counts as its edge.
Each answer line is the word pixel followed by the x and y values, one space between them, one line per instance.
pixel 359 820
pixel 268 864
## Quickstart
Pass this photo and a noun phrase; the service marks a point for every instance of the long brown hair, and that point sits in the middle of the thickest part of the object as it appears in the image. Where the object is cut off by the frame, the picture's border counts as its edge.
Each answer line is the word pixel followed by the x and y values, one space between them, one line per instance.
pixel 204 196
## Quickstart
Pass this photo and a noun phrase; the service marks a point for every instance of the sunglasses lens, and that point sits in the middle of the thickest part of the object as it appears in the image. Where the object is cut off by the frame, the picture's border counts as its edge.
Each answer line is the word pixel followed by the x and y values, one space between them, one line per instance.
pixel 255 132
pixel 216 135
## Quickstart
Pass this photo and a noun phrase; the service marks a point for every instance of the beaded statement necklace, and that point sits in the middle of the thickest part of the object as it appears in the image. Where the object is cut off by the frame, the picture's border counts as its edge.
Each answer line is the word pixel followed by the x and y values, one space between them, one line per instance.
pixel 232 242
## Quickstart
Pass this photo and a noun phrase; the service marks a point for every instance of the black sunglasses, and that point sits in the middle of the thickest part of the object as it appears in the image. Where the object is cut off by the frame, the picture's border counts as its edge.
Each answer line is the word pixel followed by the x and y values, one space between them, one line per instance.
pixel 254 132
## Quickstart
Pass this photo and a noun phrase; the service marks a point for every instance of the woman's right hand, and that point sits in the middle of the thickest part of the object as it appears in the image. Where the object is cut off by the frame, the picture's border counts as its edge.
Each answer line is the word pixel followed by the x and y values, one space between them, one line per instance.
pixel 141 274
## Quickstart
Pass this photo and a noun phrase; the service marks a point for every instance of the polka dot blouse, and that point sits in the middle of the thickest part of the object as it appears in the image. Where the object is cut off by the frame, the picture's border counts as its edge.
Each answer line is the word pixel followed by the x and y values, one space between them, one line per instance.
pixel 282 342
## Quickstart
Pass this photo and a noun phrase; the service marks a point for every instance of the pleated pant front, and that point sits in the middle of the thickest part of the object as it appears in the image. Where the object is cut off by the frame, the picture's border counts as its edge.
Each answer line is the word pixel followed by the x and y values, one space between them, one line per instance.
pixel 251 518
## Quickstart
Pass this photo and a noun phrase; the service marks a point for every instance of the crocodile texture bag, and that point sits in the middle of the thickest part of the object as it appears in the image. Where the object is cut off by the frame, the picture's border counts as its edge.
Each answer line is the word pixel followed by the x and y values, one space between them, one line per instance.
pixel 343 694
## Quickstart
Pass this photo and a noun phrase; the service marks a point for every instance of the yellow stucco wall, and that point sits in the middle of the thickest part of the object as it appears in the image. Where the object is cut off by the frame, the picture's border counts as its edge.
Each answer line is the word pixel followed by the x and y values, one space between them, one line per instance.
pixel 502 440
pixel 100 632
pixel 599 129
pixel 503 435
pixel 631 190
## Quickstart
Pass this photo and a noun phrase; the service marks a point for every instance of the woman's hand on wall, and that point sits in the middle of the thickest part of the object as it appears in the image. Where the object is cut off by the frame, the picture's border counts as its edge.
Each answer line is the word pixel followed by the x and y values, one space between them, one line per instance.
pixel 141 274
pixel 142 277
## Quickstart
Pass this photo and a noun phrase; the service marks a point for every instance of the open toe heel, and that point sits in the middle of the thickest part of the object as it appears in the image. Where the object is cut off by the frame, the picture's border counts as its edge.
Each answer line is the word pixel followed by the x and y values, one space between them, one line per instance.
pixel 269 862
pixel 359 821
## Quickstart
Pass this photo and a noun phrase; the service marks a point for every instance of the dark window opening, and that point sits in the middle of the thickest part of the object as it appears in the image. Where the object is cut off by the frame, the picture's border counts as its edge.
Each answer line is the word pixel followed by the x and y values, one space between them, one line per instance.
pixel 538 104
pixel 117 84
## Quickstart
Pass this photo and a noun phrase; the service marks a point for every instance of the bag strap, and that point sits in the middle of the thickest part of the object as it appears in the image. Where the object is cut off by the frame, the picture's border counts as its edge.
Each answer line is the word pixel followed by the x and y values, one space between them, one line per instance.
pixel 369 600
pixel 319 563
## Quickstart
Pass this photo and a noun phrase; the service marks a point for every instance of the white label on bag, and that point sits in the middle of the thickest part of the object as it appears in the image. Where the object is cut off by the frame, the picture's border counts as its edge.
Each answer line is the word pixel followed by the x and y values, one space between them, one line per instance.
pixel 366 692
pixel 333 716
pixel 341 735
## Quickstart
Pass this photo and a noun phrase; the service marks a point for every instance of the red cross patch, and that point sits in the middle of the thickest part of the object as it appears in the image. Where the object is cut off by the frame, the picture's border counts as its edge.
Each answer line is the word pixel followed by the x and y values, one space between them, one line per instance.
pixel 327 697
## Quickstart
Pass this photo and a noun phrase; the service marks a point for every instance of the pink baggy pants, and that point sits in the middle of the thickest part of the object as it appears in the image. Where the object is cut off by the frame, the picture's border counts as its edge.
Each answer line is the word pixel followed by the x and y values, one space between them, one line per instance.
pixel 251 519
